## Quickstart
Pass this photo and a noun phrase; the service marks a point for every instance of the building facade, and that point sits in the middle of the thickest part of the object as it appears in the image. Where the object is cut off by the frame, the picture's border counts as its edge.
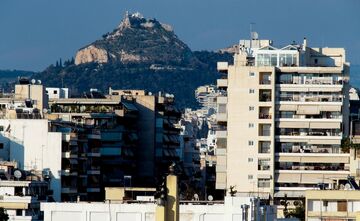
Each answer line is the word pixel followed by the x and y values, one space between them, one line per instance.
pixel 283 114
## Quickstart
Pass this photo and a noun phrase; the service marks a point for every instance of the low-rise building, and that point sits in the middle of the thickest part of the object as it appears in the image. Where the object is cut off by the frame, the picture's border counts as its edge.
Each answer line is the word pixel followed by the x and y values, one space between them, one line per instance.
pixel 22 191
pixel 332 204
pixel 232 209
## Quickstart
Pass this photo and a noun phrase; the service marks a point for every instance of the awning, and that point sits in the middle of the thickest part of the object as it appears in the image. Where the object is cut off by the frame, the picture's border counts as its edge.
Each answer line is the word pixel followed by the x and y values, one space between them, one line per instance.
pixel 308 109
pixel 325 125
pixel 330 108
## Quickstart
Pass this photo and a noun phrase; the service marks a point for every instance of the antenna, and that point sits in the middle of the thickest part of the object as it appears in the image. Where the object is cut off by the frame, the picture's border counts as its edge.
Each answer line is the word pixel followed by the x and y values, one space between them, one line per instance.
pixel 251 31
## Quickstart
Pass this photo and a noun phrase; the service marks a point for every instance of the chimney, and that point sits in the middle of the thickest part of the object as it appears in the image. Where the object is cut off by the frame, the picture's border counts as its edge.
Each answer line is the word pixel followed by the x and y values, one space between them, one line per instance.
pixel 304 44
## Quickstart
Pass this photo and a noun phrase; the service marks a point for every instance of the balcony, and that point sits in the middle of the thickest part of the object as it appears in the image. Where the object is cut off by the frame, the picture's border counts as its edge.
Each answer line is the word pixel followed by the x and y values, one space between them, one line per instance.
pixel 308 132
pixel 221 117
pixel 264 130
pixel 223 67
pixel 312 81
pixel 264 95
pixel 96 134
pixel 264 147
pixel 69 172
pixel 312 166
pixel 264 113
pixel 316 98
pixel 94 152
pixel 93 170
pixel 68 190
pixel 264 78
pixel 221 134
pixel 69 154
pixel 222 83
pixel 308 149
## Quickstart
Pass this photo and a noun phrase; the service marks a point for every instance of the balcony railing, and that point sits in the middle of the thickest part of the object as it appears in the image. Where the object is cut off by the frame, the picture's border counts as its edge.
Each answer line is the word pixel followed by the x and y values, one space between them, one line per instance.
pixel 264 98
pixel 312 133
pixel 263 167
pixel 264 116
pixel 319 98
pixel 265 81
pixel 318 81
pixel 298 149
pixel 296 167
pixel 303 116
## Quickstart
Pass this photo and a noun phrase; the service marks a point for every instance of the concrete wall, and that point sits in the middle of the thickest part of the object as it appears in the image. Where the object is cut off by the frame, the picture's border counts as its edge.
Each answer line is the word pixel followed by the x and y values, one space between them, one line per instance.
pixel 146 125
pixel 242 158
pixel 34 148
pixel 230 211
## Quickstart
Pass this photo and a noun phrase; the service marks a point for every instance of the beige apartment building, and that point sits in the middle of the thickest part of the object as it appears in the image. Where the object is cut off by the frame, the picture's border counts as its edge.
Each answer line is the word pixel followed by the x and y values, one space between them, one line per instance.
pixel 282 114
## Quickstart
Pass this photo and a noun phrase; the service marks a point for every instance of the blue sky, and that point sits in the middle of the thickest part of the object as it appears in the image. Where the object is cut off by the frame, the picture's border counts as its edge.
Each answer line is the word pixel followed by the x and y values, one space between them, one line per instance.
pixel 36 33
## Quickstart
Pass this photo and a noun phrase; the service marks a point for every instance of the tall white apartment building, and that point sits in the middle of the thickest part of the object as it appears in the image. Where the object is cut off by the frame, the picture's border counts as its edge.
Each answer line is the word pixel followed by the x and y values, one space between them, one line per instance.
pixel 282 115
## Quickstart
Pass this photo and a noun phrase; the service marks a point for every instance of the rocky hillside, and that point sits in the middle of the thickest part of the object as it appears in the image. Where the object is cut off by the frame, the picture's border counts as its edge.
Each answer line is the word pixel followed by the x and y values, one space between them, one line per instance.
pixel 138 40
pixel 139 54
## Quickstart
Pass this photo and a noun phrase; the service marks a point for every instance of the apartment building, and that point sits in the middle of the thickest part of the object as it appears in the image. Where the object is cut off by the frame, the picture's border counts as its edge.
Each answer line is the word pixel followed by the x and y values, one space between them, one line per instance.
pixel 21 191
pixel 158 131
pixel 282 115
pixel 99 145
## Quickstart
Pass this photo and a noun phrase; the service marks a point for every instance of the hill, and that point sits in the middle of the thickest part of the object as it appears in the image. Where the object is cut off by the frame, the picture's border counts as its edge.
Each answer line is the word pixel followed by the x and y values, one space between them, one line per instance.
pixel 8 77
pixel 139 54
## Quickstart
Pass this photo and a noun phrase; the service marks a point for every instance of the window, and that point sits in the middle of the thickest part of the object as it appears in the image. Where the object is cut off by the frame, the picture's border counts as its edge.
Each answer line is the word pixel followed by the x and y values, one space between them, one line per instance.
pixel 341 206
pixel 1 146
pixel 1 128
pixel 251 74
pixel 251 108
pixel 264 147
pixel 251 143
pixel 250 177
pixel 251 125
pixel 264 164
pixel 251 91
pixel 250 160
pixel 55 92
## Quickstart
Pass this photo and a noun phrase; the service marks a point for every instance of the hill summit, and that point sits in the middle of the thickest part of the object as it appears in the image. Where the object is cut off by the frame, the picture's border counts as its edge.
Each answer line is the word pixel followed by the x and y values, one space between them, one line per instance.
pixel 139 53
pixel 138 40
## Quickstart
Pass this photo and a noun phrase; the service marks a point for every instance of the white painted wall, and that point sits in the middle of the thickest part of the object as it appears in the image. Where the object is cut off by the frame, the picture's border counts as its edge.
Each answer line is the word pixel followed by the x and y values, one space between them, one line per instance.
pixel 56 93
pixel 30 144
pixel 84 211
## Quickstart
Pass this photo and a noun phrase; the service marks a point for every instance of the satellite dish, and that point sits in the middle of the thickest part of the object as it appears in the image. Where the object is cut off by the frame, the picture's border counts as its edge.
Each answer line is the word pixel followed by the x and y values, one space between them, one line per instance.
pixel 18 174
pixel 33 81
pixel 347 187
pixel 39 81
pixel 45 111
pixel 210 198
pixel 196 197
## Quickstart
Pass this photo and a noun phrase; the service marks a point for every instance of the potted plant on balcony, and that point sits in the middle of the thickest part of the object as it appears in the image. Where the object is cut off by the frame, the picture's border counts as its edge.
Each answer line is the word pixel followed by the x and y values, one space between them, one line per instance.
pixel 347 144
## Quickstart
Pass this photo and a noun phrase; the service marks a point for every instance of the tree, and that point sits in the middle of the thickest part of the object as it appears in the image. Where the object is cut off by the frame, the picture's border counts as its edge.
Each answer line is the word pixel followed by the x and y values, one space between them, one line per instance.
pixel 347 144
pixel 3 215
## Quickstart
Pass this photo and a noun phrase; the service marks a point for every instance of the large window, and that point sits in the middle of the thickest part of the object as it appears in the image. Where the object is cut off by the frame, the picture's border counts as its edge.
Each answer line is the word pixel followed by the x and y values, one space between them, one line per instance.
pixel 266 59
pixel 287 60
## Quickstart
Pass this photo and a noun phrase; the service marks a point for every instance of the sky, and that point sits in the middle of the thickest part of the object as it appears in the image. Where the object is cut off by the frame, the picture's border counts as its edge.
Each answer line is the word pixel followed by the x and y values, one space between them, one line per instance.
pixel 36 33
